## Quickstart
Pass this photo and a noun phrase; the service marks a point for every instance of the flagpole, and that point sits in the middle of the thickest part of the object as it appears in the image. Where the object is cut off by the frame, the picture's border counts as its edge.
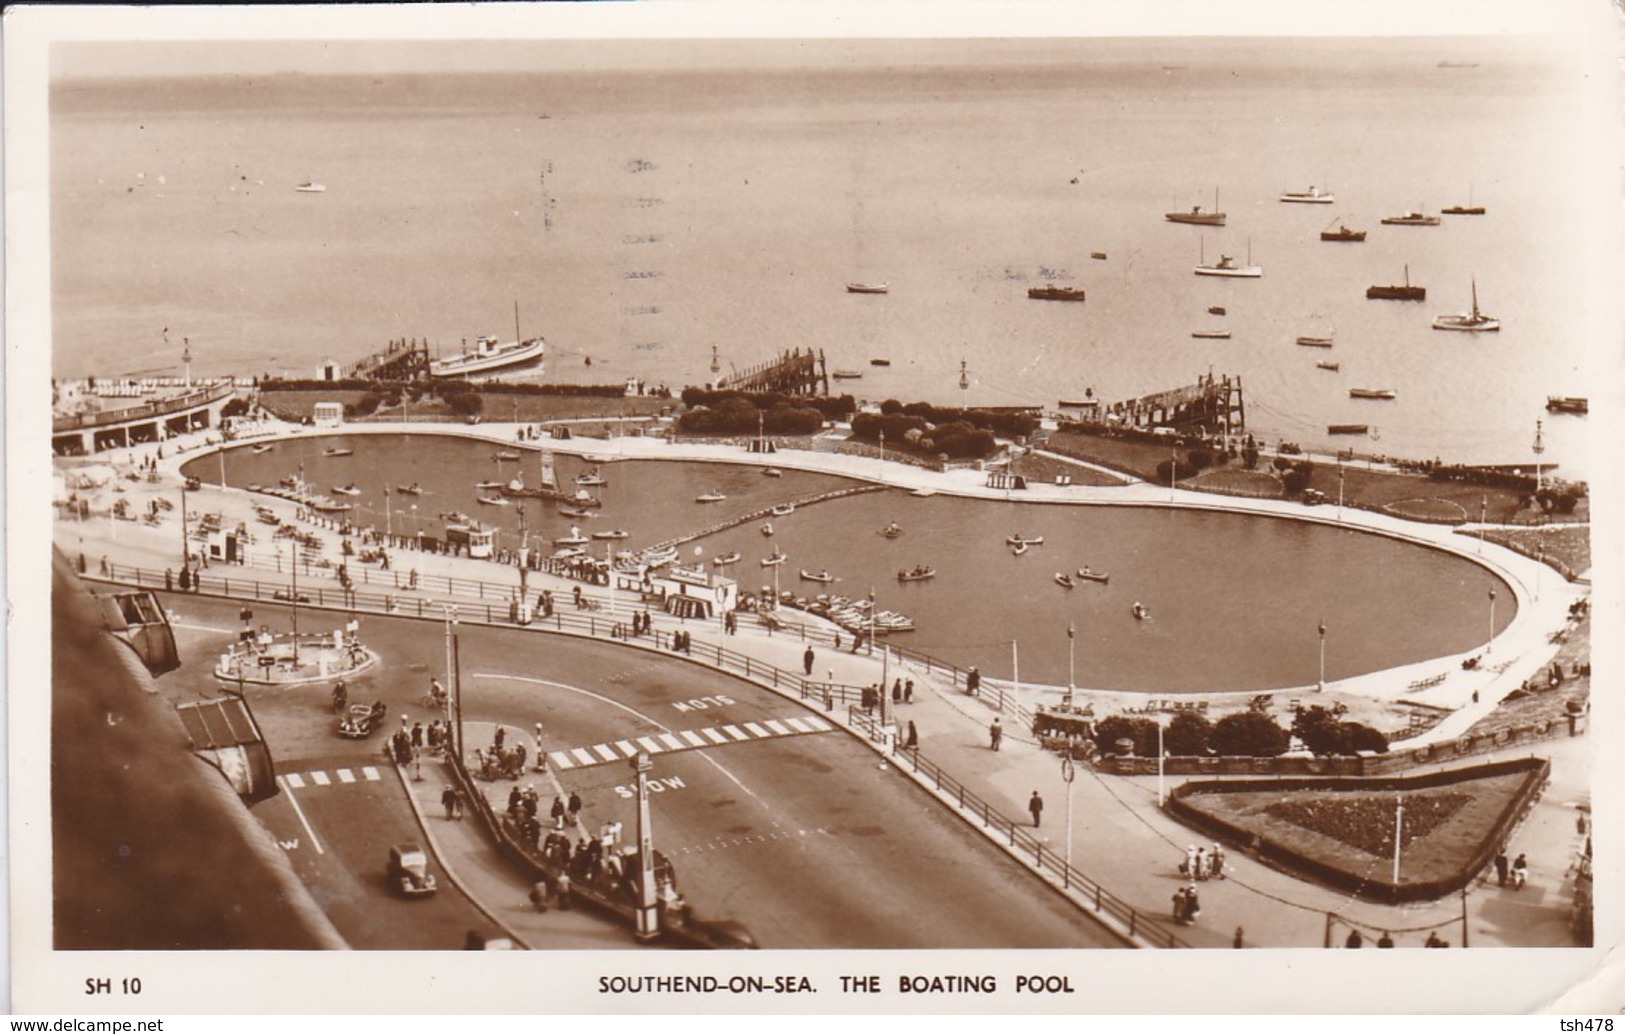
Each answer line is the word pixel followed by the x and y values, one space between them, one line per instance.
pixel 1071 663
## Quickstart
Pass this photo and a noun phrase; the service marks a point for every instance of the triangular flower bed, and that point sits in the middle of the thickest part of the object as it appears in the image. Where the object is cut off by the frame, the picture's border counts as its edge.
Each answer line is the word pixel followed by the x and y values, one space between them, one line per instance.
pixel 1341 831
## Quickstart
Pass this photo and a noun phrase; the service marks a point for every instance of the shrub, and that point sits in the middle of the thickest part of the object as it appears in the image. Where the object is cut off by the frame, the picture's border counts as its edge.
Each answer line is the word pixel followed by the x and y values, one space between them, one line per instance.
pixel 1249 734
pixel 1188 734
pixel 1200 459
pixel 1143 731
pixel 466 403
pixel 237 406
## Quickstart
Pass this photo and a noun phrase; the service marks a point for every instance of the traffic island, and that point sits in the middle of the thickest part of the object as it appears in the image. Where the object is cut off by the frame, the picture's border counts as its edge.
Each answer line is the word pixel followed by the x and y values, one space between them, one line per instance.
pixel 1341 832
pixel 277 660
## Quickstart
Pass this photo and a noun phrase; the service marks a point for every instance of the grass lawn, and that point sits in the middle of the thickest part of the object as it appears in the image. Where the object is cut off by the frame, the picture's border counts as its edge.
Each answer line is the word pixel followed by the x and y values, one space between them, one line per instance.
pixel 1045 469
pixel 1567 544
pixel 1353 830
pixel 1235 481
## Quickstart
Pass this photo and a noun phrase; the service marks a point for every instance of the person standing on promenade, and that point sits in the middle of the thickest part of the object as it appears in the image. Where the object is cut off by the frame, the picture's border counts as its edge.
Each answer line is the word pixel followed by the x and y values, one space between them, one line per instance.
pixel 1520 871
pixel 897 692
pixel 1355 940
pixel 807 662
pixel 1036 806
pixel 973 681
pixel 913 740
pixel 575 808
pixel 995 735
pixel 448 800
pixel 1501 868
pixel 908 692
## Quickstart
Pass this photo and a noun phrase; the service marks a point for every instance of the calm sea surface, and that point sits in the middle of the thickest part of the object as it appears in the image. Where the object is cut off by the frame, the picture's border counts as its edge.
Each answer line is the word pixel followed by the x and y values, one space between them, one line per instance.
pixel 642 219
pixel 1235 601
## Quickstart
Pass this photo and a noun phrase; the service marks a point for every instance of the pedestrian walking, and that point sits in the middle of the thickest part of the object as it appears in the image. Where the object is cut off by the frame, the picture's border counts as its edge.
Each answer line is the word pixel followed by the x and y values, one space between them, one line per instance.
pixel 1193 904
pixel 575 808
pixel 1187 868
pixel 169 576
pixel 973 681
pixel 1501 868
pixel 908 692
pixel 913 740
pixel 538 895
pixel 1355 940
pixel 1520 871
pixel 1199 867
pixel 1036 805
pixel 1179 906
pixel 807 662
pixel 1215 862
pixel 995 735
pixel 558 812
pixel 1386 940
pixel 1239 941
pixel 448 800
pixel 897 692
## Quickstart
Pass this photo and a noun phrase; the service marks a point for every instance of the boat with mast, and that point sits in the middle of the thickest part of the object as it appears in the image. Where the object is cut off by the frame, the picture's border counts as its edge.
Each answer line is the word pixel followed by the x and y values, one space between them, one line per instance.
pixel 489 354
pixel 1313 196
pixel 1410 219
pixel 1197 217
pixel 1343 233
pixel 1406 292
pixel 1473 321
pixel 1226 266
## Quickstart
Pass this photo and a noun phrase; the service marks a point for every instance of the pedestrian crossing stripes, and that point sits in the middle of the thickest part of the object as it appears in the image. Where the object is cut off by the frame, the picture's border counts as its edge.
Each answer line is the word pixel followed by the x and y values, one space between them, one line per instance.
pixel 299 780
pixel 687 739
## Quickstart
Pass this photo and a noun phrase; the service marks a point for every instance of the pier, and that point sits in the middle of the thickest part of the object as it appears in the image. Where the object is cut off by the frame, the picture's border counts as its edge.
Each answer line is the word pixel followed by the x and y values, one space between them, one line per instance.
pixel 793 373
pixel 762 514
pixel 1212 404
pixel 400 360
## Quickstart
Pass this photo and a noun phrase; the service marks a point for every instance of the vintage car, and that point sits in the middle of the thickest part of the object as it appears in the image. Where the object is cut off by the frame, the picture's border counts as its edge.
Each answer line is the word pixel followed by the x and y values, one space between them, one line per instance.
pixel 361 720
pixel 409 870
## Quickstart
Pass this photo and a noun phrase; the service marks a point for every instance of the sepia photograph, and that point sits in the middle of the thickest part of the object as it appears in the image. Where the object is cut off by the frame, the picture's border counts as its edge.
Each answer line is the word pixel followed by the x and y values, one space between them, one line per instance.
pixel 784 513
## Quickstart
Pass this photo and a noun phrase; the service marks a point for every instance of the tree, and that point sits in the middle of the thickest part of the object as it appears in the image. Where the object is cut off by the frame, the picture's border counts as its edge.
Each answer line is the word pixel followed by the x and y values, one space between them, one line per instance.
pixel 1142 731
pixel 237 406
pixel 1188 734
pixel 1318 730
pixel 467 403
pixel 1297 479
pixel 1249 734
pixel 1200 459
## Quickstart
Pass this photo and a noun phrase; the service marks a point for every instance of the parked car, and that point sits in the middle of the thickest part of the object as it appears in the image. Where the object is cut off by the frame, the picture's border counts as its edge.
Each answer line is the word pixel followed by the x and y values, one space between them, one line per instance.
pixel 362 720
pixel 409 869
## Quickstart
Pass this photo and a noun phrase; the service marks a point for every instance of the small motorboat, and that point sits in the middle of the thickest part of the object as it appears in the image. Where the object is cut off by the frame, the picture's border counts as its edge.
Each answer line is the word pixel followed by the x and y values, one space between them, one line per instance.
pixel 1328 366
pixel 725 559
pixel 919 574
pixel 767 527
pixel 411 489
pixel 880 362
pixel 1139 611
pixel 506 456
pixel 615 534
pixel 1063 580
pixel 775 560
pixel 1315 342
pixel 335 451
pixel 569 511
pixel 591 477
pixel 1211 335
pixel 892 530
pixel 349 489
pixel 575 538
pixel 857 288
pixel 1093 576
pixel 1372 393
pixel 847 375
pixel 1022 540
pixel 773 472
pixel 1019 549
pixel 820 576
pixel 710 497
pixel 488 485
pixel 260 450
pixel 784 509
pixel 497 500
pixel 1216 310
pixel 1098 255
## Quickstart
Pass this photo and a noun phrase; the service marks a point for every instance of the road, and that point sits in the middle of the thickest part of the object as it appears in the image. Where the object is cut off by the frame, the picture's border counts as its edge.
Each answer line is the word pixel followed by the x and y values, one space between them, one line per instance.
pixel 770 815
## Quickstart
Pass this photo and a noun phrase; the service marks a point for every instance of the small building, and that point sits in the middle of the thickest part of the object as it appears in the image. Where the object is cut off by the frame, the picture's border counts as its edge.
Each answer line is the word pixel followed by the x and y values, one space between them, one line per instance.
pixel 329 414
pixel 329 370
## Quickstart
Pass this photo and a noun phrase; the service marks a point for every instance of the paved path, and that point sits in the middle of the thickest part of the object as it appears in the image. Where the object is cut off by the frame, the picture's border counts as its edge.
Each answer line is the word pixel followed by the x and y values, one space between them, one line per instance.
pixel 1120 837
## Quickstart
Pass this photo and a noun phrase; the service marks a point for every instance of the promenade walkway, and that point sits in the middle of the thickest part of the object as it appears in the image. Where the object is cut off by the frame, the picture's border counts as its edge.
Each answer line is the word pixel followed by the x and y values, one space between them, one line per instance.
pixel 1120 837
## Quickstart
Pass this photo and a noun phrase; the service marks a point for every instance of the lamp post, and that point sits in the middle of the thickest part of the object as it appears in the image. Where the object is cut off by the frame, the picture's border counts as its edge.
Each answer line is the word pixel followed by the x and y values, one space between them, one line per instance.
pixel 1162 793
pixel 1483 518
pixel 1071 664
pixel 1321 684
pixel 1489 645
pixel 452 680
pixel 647 914
pixel 882 446
pixel 1339 487
pixel 1067 773
pixel 1539 447
pixel 1399 826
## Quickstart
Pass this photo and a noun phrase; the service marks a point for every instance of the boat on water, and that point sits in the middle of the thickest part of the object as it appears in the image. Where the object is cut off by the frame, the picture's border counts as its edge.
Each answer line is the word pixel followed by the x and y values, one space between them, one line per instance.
pixel 773 472
pixel 1472 322
pixel 775 560
pixel 1313 196
pixel 1342 233
pixel 1567 404
pixel 487 486
pixel 615 535
pixel 334 450
pixel 585 500
pixel 349 489
pixel 1215 310
pixel 1019 550
pixel 570 511
pixel 1063 580
pixel 725 559
pixel 880 362
pixel 591 477
pixel 1052 293
pixel 493 500
pixel 1197 217
pixel 847 375
pixel 322 504
pixel 1227 267
pixel 490 354
pixel 1139 611
pixel 1463 210
pixel 784 509
pixel 1406 292
pixel 1347 428
pixel 1098 255
pixel 260 450
pixel 1410 219
pixel 411 489
pixel 575 538
pixel 1315 342
pixel 516 489
pixel 499 457
pixel 918 574
pixel 710 497
pixel 1216 335
pixel 1328 366
pixel 855 288
pixel 311 187
pixel 1093 576
pixel 767 527
pixel 1022 540
pixel 819 576
pixel 892 530
pixel 1372 393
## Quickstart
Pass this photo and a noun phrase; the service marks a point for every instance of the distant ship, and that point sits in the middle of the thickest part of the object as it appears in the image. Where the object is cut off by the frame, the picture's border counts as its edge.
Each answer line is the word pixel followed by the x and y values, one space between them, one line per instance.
pixel 311 187
pixel 1316 342
pixel 1217 335
pixel 1372 393
pixel 1328 366
pixel 1410 219
pixel 1463 210
pixel 1049 292
pixel 1226 266
pixel 1405 292
pixel 868 288
pixel 1198 217
pixel 1347 429
pixel 1469 321
pixel 1342 233
pixel 1567 404
pixel 487 355
pixel 1312 196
